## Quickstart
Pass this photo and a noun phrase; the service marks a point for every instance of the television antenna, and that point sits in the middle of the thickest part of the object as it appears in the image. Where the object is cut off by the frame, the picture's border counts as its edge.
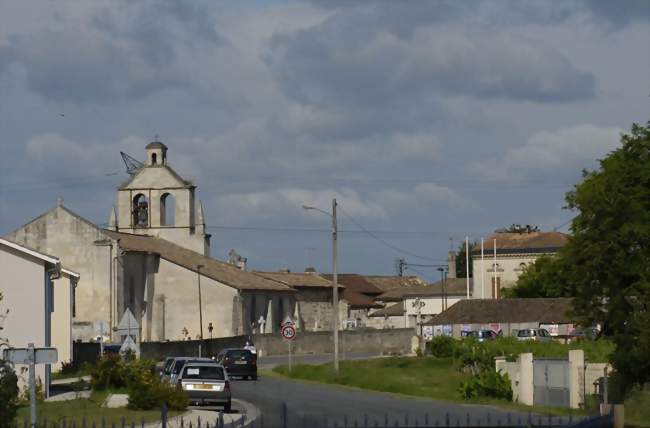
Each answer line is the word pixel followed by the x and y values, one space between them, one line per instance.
pixel 132 164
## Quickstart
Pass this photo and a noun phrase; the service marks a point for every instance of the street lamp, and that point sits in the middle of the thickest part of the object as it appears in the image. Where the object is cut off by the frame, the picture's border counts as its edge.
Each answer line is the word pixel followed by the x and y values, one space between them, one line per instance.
pixel 198 273
pixel 335 291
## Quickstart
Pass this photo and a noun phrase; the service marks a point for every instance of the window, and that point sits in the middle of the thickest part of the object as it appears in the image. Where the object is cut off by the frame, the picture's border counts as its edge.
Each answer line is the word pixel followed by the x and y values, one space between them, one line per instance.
pixel 167 209
pixel 212 372
pixel 140 211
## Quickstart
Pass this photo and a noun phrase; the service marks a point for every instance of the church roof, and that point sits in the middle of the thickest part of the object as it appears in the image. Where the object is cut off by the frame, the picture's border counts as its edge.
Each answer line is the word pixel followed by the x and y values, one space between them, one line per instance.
pixel 156 145
pixel 215 269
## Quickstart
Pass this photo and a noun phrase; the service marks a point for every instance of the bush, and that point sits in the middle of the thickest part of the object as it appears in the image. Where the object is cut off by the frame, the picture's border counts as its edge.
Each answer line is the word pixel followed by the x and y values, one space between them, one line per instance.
pixel 487 384
pixel 8 394
pixel 442 346
pixel 147 391
pixel 68 367
pixel 108 373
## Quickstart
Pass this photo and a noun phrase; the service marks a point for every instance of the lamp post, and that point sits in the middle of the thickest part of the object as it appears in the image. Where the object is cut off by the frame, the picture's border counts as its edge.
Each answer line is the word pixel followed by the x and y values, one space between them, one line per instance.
pixel 335 290
pixel 443 294
pixel 198 273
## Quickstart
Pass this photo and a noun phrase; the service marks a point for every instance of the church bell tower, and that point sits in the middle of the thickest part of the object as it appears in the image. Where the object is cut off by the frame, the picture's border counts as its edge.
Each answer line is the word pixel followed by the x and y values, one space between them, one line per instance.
pixel 157 201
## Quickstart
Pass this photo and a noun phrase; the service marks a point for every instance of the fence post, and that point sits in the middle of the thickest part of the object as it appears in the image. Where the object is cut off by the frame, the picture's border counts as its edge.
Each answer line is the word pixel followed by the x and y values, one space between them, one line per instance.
pixel 284 414
pixel 163 415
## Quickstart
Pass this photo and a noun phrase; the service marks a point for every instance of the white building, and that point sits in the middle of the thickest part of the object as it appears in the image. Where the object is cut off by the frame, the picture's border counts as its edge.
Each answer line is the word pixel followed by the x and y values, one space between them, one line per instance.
pixel 494 271
pixel 37 305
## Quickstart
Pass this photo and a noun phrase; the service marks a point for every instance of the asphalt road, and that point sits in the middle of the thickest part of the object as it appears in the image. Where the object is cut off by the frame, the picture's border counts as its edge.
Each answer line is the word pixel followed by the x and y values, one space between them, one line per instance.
pixel 318 405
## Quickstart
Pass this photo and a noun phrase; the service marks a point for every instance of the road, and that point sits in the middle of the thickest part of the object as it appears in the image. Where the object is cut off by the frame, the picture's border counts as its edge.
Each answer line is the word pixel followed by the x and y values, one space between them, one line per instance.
pixel 310 405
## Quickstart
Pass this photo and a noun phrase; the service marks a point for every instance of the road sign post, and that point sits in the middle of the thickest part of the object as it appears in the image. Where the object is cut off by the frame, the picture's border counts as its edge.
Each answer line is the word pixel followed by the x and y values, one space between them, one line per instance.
pixel 31 356
pixel 288 333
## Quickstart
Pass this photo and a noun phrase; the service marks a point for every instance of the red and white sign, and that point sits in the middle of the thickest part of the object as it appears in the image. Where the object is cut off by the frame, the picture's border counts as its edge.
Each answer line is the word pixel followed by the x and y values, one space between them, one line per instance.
pixel 288 332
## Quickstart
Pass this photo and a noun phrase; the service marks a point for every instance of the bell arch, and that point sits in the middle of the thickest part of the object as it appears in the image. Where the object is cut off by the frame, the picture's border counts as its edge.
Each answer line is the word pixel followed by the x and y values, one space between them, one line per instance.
pixel 167 209
pixel 140 211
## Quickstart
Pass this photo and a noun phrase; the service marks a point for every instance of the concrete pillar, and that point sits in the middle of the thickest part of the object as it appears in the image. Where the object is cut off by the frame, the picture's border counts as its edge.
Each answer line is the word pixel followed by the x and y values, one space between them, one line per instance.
pixel 526 387
pixel 268 325
pixel 576 378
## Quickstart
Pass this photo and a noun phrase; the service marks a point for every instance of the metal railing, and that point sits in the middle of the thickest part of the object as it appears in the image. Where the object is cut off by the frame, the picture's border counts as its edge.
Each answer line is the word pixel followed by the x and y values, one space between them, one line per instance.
pixel 285 418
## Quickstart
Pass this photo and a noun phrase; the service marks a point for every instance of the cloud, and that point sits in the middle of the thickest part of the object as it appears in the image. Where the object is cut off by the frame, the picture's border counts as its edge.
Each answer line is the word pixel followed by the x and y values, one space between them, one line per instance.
pixel 345 61
pixel 557 153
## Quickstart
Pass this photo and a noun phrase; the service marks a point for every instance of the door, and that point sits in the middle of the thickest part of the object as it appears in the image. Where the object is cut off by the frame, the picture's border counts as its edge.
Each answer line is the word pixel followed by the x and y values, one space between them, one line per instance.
pixel 551 382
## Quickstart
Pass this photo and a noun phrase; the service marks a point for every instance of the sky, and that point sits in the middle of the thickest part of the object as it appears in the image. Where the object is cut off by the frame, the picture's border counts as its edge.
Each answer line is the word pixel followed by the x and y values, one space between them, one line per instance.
pixel 428 121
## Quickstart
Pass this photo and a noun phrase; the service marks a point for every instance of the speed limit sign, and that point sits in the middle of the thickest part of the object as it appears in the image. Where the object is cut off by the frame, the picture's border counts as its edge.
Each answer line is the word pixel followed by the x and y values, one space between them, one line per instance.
pixel 288 332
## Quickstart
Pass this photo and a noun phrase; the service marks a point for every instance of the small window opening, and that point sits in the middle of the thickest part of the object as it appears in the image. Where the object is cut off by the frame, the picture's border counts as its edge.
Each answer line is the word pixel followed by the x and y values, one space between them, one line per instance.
pixel 154 159
pixel 140 211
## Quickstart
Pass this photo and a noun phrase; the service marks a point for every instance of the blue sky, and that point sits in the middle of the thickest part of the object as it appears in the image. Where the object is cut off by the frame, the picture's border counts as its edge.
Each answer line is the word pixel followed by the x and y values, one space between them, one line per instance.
pixel 426 120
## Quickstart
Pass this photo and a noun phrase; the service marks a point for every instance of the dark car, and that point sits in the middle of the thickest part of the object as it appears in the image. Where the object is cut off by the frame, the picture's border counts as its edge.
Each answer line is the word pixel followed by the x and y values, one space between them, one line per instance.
pixel 482 335
pixel 238 363
pixel 205 383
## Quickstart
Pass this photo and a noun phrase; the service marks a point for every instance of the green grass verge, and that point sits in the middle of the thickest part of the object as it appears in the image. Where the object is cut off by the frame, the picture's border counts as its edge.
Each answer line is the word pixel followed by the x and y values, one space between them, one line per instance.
pixel 637 409
pixel 435 378
pixel 90 408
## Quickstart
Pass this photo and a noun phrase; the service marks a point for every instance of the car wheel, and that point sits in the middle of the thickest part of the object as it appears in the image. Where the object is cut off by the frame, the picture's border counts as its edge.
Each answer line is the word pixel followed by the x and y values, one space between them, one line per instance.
pixel 228 407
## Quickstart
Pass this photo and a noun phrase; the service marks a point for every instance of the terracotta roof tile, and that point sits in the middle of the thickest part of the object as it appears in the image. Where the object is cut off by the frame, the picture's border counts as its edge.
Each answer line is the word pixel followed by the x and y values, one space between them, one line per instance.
pixel 297 279
pixel 355 282
pixel 394 310
pixel 454 287
pixel 523 242
pixel 219 271
pixel 386 283
pixel 483 311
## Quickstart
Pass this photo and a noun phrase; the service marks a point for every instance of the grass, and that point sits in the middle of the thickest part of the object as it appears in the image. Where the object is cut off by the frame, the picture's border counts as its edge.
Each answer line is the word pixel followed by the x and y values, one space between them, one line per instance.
pixel 435 378
pixel 637 408
pixel 90 408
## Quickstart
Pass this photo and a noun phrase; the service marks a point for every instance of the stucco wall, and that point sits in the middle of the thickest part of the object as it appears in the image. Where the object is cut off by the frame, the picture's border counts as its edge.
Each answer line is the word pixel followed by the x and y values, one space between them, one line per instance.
pixel 61 320
pixel 508 271
pixel 23 288
pixel 71 240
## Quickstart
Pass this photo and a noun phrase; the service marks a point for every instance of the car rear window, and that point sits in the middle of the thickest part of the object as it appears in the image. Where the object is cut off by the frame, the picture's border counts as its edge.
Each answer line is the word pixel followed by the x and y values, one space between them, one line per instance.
pixel 526 333
pixel 211 372
pixel 239 353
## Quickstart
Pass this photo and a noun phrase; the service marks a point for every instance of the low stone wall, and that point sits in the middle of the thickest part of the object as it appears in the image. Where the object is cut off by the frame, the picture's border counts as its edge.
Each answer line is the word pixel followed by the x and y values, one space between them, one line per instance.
pixel 390 341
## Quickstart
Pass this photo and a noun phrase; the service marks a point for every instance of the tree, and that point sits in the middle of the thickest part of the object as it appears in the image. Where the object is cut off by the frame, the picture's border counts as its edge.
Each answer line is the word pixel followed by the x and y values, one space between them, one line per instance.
pixel 608 253
pixel 461 270
pixel 546 277
pixel 8 389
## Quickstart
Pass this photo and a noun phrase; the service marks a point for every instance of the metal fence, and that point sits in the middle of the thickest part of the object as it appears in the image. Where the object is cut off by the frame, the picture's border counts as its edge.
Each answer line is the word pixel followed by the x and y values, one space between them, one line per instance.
pixel 284 418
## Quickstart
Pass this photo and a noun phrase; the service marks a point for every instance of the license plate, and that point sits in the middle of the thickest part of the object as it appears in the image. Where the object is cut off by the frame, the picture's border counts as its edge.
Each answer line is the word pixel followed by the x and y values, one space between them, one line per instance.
pixel 240 362
pixel 202 386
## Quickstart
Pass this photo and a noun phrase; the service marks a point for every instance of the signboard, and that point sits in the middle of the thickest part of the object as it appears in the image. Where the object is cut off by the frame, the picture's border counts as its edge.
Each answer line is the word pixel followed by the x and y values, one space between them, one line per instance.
pixel 288 332
pixel 128 325
pixel 21 355
pixel 427 332
pixel 288 321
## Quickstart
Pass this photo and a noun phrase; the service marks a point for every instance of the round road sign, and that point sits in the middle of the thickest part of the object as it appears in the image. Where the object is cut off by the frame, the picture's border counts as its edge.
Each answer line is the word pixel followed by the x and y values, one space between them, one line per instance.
pixel 288 332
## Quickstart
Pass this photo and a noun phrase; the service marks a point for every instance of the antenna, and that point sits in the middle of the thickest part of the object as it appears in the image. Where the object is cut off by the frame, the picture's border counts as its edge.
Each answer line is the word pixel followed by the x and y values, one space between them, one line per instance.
pixel 132 165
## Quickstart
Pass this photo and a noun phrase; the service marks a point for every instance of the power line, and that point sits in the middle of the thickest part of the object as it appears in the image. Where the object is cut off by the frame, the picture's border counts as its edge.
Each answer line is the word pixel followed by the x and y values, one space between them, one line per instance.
pixel 388 244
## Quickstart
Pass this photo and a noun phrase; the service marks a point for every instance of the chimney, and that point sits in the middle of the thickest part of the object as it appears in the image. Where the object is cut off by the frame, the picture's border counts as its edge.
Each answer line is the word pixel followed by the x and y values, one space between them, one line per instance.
pixel 451 268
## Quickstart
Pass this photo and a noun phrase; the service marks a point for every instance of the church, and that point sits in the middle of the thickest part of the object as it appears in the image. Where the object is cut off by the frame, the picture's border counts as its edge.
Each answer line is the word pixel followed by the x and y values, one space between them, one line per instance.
pixel 153 259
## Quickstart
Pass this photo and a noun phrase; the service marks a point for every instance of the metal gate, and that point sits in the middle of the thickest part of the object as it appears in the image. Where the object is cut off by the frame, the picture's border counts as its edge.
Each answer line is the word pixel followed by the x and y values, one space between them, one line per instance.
pixel 551 382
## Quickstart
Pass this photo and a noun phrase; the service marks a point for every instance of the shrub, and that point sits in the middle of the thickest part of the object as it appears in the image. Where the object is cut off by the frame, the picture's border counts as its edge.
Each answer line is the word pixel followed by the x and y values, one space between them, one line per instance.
pixel 147 391
pixel 108 373
pixel 442 346
pixel 68 367
pixel 8 394
pixel 490 384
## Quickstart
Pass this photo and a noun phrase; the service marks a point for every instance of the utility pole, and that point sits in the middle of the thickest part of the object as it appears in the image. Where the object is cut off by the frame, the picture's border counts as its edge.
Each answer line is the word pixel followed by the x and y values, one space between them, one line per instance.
pixel 335 303
pixel 198 273
pixel 335 282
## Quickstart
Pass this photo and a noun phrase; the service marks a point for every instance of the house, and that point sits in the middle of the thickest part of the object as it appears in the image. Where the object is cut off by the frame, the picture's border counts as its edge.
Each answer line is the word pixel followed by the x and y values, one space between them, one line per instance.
pixel 154 259
pixel 421 302
pixel 38 294
pixel 313 298
pixel 392 315
pixel 505 315
pixel 495 270
pixel 359 296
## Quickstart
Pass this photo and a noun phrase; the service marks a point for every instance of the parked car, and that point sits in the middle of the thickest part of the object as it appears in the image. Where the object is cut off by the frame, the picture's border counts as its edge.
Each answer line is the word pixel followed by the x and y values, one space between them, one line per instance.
pixel 238 362
pixel 205 383
pixel 178 364
pixel 536 334
pixel 166 367
pixel 482 335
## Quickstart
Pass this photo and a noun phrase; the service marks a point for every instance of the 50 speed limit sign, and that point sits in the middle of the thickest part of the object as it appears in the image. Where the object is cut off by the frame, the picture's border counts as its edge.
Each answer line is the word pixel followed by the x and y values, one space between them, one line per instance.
pixel 288 332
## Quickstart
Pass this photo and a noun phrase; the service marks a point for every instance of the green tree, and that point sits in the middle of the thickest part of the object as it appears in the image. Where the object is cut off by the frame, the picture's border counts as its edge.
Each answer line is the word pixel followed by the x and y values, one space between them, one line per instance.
pixel 461 270
pixel 8 389
pixel 608 253
pixel 546 277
